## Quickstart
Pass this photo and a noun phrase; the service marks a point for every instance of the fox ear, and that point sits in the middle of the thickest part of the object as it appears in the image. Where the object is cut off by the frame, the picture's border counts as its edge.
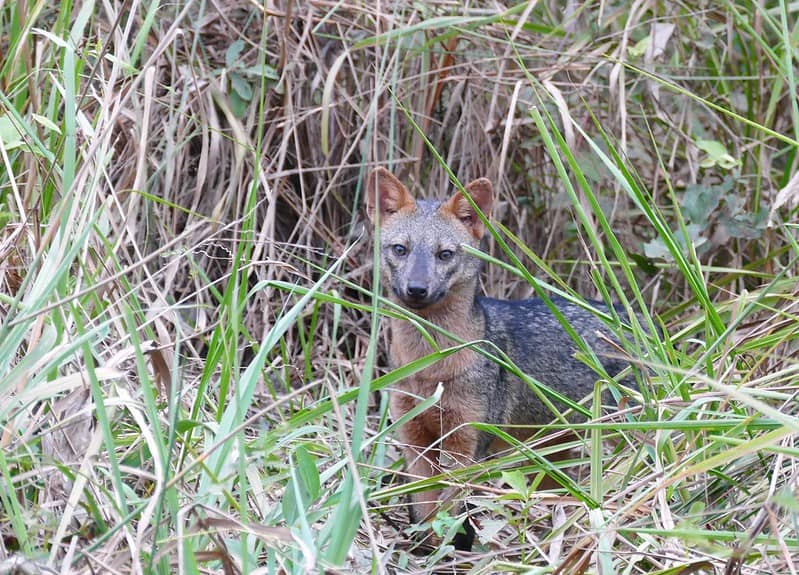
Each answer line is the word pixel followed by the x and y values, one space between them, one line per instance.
pixel 384 192
pixel 482 192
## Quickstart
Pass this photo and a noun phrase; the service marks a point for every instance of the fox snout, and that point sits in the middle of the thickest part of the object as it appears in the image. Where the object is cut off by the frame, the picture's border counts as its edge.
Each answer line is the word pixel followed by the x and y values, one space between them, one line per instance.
pixel 416 289
pixel 414 296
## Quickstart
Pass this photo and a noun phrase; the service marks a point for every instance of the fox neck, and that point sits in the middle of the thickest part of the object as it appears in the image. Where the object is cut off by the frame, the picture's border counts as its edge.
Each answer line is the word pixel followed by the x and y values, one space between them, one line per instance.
pixel 458 313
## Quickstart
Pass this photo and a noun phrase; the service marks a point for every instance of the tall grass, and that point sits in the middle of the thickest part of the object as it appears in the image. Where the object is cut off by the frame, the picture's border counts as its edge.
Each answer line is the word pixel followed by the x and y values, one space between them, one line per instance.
pixel 192 374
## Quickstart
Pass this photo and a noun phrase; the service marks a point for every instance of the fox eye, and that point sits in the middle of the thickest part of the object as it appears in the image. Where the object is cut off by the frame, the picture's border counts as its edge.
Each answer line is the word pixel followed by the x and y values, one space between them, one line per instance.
pixel 445 255
pixel 399 250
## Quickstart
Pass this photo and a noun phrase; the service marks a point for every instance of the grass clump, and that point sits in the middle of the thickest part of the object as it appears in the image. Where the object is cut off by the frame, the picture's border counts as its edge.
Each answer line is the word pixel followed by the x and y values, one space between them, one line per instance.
pixel 191 366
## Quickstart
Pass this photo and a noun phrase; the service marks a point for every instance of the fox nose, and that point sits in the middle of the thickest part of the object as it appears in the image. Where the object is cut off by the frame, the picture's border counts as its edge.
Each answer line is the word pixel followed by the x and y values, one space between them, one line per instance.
pixel 416 291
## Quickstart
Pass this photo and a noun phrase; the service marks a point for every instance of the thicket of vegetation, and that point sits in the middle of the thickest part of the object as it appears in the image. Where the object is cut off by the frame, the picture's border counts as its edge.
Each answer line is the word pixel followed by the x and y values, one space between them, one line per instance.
pixel 192 374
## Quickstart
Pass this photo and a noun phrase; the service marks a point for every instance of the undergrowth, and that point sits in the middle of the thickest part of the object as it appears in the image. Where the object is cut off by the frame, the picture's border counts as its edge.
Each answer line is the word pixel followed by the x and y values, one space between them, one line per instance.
pixel 192 368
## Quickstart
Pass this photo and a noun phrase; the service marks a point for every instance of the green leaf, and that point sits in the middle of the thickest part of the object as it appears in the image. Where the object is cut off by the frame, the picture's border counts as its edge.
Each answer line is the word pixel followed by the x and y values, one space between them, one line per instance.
pixel 262 71
pixel 47 123
pixel 9 135
pixel 640 47
pixel 717 154
pixel 656 249
pixel 289 506
pixel 241 86
pixel 346 519
pixel 644 263
pixel 184 425
pixel 443 522
pixel 237 105
pixel 233 52
pixel 307 472
pixel 699 202
pixel 746 226
pixel 303 486
pixel 517 481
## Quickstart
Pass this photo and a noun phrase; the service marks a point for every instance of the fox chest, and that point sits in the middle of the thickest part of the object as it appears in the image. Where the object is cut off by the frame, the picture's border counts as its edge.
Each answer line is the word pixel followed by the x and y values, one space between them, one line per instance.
pixel 462 365
pixel 462 397
pixel 458 404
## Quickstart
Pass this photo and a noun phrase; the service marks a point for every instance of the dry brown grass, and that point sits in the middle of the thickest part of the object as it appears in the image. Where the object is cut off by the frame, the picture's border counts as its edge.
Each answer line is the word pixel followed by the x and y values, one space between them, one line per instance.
pixel 222 147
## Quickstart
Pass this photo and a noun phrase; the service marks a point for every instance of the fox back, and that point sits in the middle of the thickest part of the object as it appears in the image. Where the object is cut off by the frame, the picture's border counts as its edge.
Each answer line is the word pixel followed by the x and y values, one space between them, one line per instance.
pixel 535 340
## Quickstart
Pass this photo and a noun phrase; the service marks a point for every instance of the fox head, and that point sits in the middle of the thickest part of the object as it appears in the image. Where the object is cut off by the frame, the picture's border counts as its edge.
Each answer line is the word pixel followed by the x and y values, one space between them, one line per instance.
pixel 422 258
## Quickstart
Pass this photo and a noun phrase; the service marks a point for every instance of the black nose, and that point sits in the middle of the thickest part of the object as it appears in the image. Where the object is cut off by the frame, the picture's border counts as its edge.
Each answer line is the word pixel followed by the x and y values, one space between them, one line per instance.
pixel 416 291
